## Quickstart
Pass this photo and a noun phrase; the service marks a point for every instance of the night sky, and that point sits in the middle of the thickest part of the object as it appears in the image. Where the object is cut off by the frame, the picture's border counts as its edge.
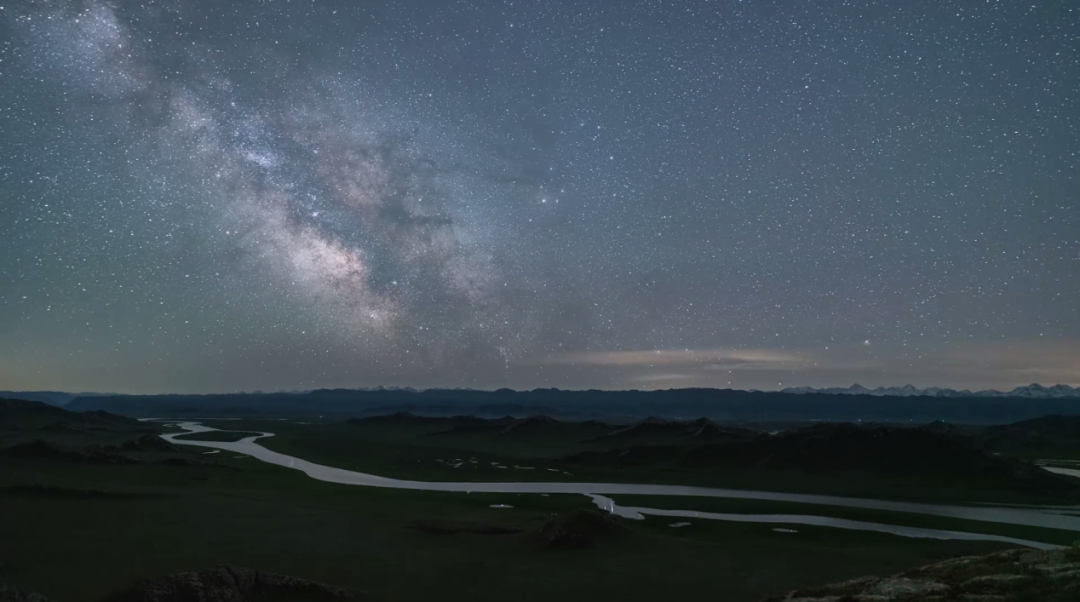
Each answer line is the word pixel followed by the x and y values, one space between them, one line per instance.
pixel 201 195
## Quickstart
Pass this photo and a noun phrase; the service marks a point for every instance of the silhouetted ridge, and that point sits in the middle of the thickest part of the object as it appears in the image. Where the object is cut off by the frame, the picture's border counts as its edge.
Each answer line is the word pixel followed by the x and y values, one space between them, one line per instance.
pixel 711 431
pixel 651 426
pixel 17 414
pixel 532 423
pixel 388 418
pixel 717 404
pixel 1032 391
pixel 943 428
pixel 595 424
pixel 507 425
pixel 14 412
pixel 655 427
pixel 405 418
pixel 1038 434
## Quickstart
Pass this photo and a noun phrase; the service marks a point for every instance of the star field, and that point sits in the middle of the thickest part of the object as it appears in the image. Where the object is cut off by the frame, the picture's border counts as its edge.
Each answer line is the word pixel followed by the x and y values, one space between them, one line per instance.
pixel 215 196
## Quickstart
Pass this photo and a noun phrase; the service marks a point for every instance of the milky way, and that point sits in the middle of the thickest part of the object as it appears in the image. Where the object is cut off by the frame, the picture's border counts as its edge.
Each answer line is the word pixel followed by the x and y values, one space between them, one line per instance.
pixel 205 196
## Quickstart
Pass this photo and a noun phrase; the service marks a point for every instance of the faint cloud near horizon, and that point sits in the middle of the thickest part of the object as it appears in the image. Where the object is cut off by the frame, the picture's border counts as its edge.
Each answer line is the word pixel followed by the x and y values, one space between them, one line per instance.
pixel 986 365
pixel 705 359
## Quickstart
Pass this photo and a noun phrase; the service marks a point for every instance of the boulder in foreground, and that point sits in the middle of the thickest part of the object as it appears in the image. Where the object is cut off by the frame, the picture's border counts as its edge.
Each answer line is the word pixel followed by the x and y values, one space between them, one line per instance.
pixel 9 594
pixel 579 529
pixel 1011 576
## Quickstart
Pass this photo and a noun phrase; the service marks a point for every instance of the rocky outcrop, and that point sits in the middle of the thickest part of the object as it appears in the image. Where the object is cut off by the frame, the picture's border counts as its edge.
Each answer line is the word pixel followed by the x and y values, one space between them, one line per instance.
pixel 230 584
pixel 10 594
pixel 1011 576
pixel 579 529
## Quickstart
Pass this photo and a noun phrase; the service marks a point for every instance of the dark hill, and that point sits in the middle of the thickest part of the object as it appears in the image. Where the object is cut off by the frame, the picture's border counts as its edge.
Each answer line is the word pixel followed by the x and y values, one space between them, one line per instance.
pixel 102 418
pixel 707 430
pixel 395 418
pixel 1046 434
pixel 649 427
pixel 20 414
pixel 506 426
pixel 849 447
pixel 53 398
pixel 469 425
pixel 531 424
pixel 410 419
pixel 656 428
pixel 407 418
pixel 513 409
pixel 944 428
pixel 596 424
pixel 37 424
pixel 854 451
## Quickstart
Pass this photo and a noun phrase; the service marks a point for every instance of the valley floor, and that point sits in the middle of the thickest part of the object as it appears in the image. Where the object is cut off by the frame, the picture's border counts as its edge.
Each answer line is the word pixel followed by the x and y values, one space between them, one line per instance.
pixel 80 526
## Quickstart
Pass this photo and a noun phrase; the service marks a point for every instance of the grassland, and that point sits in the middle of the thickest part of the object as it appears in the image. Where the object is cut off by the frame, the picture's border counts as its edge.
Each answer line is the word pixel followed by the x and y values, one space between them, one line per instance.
pixel 80 529
pixel 102 527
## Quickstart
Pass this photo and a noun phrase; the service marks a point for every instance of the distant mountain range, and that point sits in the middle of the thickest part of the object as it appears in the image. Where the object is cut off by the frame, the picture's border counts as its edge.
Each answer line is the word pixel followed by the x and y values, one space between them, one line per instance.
pixel 53 398
pixel 1033 391
pixel 610 406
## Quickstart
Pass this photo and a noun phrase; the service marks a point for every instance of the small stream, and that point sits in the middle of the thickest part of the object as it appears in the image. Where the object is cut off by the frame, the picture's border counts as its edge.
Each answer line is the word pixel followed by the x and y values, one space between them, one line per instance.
pixel 1027 516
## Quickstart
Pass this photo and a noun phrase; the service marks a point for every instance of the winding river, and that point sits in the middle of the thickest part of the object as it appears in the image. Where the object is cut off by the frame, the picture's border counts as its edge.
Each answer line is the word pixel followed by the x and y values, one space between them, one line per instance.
pixel 1055 518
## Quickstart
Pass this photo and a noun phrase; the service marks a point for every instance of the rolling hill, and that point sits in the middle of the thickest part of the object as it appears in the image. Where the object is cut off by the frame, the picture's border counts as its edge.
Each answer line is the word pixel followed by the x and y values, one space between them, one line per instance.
pixel 854 453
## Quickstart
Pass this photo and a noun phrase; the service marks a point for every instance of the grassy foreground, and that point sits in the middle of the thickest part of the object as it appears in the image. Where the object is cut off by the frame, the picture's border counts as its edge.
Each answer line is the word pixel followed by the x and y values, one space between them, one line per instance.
pixel 73 544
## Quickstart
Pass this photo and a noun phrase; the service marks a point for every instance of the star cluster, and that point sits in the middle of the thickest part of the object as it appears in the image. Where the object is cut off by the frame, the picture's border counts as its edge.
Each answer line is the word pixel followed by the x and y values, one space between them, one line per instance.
pixel 206 196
